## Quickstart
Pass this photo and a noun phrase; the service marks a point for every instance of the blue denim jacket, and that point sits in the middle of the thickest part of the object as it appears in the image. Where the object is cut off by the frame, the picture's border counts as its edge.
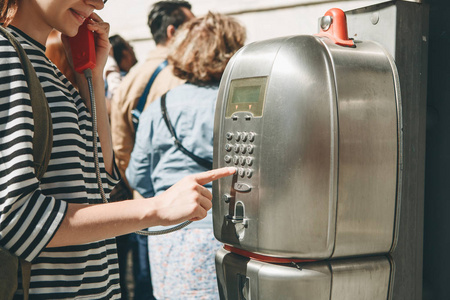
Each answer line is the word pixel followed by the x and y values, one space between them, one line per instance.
pixel 156 163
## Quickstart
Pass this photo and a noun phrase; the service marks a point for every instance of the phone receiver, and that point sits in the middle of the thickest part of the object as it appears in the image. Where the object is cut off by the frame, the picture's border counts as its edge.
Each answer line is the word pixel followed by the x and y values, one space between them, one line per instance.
pixel 83 48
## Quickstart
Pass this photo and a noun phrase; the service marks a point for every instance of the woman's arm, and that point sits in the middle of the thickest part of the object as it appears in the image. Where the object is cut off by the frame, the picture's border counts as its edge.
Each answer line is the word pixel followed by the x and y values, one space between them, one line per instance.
pixel 186 200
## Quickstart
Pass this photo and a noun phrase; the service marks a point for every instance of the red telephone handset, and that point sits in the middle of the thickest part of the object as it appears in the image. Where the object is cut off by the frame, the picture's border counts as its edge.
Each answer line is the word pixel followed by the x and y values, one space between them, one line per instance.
pixel 83 49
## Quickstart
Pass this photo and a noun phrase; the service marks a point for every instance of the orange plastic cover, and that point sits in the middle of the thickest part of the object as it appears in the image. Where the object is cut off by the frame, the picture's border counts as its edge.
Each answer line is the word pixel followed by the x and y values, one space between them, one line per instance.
pixel 337 31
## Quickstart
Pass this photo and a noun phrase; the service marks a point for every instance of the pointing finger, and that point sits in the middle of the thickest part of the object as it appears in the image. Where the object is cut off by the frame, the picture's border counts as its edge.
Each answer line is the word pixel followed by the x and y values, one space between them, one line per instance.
pixel 205 177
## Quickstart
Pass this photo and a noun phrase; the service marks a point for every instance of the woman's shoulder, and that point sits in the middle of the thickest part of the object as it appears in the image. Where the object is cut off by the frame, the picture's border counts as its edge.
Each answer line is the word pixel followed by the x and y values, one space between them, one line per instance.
pixel 9 57
pixel 7 50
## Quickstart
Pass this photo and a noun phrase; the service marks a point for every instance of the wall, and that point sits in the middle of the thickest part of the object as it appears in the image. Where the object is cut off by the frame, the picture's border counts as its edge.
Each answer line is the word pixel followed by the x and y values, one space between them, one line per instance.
pixel 263 19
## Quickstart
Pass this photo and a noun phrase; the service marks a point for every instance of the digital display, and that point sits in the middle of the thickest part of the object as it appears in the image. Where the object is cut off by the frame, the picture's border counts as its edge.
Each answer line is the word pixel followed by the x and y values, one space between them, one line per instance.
pixel 247 95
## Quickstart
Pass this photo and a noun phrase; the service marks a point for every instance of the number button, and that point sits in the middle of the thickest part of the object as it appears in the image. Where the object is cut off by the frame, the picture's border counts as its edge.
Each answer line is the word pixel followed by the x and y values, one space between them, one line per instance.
pixel 227 158
pixel 244 136
pixel 250 149
pixel 249 160
pixel 238 136
pixel 236 148
pixel 229 136
pixel 228 147
pixel 243 148
pixel 251 136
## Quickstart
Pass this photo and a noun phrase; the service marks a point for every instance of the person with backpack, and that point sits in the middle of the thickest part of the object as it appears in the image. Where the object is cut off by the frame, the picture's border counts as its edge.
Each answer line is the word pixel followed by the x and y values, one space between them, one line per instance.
pixel 59 223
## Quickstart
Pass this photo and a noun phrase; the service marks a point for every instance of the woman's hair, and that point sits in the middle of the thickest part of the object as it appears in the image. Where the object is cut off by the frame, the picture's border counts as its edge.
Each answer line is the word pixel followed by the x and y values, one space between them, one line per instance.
pixel 8 9
pixel 54 50
pixel 202 47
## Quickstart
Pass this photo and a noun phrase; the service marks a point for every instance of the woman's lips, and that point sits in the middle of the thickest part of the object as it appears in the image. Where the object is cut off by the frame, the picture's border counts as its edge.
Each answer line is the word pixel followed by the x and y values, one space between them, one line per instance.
pixel 78 16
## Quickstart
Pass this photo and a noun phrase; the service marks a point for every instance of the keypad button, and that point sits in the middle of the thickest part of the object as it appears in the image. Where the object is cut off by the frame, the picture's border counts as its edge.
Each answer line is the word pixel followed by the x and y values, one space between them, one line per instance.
pixel 249 160
pixel 242 160
pixel 241 172
pixel 249 173
pixel 238 136
pixel 251 136
pixel 236 159
pixel 250 149
pixel 229 136
pixel 236 148
pixel 244 136
pixel 228 147
pixel 243 148
pixel 227 158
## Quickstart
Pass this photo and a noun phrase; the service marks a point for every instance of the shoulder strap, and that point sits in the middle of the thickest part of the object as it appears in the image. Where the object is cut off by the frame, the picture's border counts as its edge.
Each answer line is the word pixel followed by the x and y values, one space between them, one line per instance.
pixel 201 161
pixel 43 132
pixel 136 113
pixel 42 138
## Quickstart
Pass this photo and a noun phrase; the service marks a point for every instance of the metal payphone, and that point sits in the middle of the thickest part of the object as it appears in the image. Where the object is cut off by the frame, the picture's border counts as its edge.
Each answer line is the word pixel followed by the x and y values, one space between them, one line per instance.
pixel 314 129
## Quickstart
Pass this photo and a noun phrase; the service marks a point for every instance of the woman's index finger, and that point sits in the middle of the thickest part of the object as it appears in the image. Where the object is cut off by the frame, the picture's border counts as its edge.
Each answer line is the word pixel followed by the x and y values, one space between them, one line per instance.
pixel 205 177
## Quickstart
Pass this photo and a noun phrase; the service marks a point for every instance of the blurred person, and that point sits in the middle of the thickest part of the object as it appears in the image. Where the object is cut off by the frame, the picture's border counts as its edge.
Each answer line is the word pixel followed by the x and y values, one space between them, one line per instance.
pixel 183 263
pixel 58 224
pixel 163 20
pixel 120 60
pixel 54 50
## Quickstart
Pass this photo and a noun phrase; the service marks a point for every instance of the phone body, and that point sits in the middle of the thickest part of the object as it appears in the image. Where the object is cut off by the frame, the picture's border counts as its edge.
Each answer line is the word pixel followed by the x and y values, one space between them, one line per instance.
pixel 83 48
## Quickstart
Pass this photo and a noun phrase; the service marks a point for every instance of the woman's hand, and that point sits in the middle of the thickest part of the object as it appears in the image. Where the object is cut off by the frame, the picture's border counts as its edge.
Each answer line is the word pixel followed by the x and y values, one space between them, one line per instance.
pixel 188 199
pixel 101 37
pixel 102 45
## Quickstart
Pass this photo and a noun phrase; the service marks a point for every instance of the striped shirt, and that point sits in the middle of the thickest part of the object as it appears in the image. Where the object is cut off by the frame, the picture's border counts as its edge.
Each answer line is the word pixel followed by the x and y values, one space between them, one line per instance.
pixel 31 212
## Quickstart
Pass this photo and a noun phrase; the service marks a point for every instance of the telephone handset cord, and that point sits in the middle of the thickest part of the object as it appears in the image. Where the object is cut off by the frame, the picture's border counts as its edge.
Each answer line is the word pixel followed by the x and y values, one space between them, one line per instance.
pixel 88 75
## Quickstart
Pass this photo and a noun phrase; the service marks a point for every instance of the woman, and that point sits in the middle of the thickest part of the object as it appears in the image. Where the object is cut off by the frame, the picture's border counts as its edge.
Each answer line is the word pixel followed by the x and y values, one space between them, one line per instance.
pixel 182 263
pixel 52 223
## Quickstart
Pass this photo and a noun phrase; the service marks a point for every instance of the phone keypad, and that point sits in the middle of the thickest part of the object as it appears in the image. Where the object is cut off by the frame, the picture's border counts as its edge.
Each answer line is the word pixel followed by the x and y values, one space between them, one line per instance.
pixel 241 144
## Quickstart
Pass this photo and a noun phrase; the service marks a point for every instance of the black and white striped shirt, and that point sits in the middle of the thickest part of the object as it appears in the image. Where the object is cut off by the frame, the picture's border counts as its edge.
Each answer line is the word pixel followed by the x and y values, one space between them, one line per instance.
pixel 30 213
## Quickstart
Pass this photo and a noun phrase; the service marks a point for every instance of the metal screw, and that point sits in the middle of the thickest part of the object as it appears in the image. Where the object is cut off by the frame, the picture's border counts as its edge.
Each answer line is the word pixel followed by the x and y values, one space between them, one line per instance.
pixel 374 18
pixel 325 22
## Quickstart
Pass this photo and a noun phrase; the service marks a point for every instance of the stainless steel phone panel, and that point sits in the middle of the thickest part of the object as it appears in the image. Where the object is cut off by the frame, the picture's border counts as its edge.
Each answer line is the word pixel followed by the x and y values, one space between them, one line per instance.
pixel 312 129
pixel 361 278
pixel 241 278
pixel 366 278
pixel 368 143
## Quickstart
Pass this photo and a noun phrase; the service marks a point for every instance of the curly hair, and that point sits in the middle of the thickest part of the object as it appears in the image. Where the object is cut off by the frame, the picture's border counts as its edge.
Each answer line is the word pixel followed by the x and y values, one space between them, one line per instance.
pixel 202 47
pixel 8 9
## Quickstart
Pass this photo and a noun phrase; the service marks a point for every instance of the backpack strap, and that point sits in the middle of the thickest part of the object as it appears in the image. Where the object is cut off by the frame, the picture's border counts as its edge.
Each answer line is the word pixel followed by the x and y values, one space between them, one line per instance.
pixel 201 161
pixel 136 113
pixel 43 132
pixel 42 145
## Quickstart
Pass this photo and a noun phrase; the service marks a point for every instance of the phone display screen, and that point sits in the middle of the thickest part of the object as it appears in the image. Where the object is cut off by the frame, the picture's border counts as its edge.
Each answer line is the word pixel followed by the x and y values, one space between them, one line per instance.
pixel 247 95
